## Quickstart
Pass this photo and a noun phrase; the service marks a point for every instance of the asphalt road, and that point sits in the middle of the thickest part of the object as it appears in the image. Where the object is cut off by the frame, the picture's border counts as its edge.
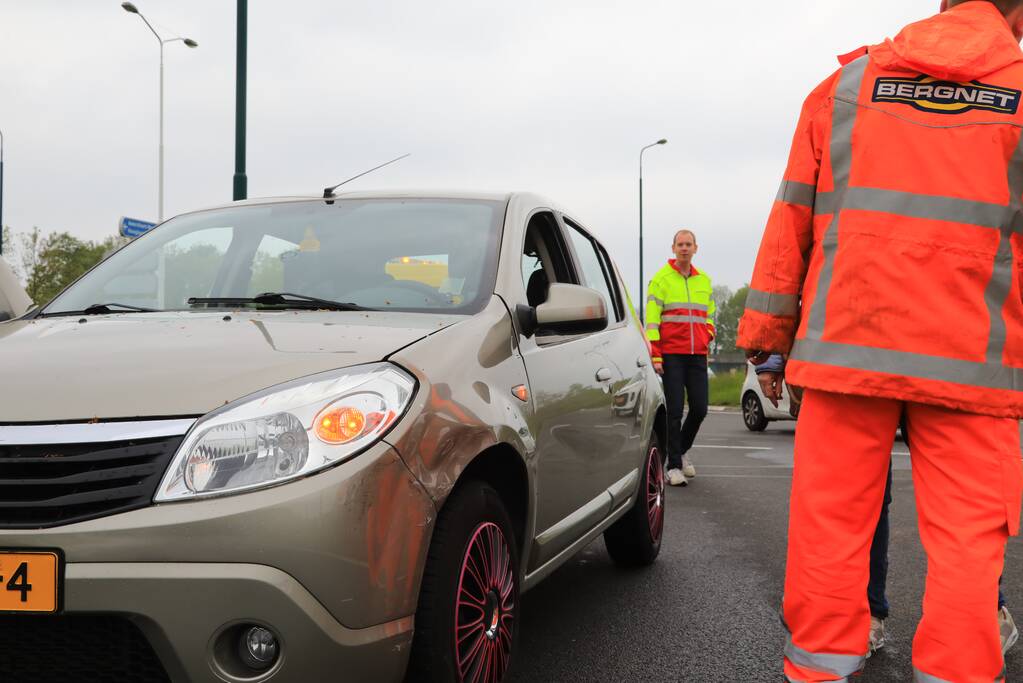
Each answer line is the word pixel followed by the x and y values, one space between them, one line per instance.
pixel 708 609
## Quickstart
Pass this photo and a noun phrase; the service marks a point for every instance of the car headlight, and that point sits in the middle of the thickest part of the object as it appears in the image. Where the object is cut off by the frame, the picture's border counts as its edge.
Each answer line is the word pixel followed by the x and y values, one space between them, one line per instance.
pixel 287 431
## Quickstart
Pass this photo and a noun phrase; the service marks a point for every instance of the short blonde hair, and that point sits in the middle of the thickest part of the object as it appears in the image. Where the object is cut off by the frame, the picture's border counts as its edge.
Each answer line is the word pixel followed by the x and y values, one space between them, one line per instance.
pixel 684 231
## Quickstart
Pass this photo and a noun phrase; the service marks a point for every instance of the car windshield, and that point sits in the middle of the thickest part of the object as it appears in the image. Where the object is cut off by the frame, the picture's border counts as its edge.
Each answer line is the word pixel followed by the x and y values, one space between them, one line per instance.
pixel 428 255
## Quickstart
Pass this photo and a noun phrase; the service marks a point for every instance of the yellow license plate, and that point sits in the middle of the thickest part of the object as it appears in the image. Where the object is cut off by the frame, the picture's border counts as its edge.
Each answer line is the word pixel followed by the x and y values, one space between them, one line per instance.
pixel 29 581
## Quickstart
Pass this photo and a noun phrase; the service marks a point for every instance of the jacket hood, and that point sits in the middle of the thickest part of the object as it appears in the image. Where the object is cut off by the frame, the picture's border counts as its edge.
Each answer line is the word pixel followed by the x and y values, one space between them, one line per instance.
pixel 965 43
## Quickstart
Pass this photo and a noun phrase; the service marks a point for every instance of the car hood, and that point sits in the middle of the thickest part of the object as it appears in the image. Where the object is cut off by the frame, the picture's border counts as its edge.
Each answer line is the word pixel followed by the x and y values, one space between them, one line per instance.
pixel 182 363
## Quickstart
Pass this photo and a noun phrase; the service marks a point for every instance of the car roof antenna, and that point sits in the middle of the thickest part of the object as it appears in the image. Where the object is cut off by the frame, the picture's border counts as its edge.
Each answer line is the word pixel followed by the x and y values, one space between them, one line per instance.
pixel 328 192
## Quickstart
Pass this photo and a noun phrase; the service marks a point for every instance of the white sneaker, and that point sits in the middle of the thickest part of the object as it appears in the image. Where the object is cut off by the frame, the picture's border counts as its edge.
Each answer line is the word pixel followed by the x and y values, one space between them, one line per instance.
pixel 877 637
pixel 687 468
pixel 676 478
pixel 1007 629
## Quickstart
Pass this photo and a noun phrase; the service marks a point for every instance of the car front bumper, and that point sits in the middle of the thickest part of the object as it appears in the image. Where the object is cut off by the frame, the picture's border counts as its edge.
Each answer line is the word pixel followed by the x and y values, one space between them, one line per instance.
pixel 186 610
pixel 330 563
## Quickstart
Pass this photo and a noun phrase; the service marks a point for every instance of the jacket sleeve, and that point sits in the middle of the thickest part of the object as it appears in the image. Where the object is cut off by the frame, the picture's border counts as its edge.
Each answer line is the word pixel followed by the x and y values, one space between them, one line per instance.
pixel 654 306
pixel 711 310
pixel 776 363
pixel 771 317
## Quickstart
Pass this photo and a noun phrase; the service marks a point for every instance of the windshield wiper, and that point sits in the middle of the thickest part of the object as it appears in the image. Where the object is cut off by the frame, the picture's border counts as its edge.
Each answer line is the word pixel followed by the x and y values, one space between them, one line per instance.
pixel 108 308
pixel 280 299
pixel 101 309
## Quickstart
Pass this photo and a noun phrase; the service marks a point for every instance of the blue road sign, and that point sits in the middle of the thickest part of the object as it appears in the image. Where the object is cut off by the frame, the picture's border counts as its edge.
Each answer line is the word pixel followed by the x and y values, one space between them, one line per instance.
pixel 133 227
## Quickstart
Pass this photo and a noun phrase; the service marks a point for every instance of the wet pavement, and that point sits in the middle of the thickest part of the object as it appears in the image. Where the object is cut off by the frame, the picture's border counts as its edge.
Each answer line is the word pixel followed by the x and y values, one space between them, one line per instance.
pixel 708 609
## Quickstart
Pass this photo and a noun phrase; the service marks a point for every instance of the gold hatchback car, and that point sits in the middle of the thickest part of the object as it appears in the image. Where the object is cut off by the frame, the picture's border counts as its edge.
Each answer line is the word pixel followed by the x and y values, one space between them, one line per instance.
pixel 313 439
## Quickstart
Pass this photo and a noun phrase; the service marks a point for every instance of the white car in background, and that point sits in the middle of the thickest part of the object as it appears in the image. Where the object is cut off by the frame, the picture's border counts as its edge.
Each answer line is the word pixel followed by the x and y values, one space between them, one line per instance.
pixel 757 411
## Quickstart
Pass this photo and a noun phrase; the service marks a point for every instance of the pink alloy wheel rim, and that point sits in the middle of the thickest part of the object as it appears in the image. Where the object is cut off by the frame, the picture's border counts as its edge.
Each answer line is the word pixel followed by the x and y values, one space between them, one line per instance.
pixel 655 493
pixel 485 607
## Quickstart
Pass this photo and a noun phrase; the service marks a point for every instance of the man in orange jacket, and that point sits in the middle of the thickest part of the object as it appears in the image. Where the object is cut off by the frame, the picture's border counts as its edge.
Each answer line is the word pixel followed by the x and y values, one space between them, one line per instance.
pixel 891 272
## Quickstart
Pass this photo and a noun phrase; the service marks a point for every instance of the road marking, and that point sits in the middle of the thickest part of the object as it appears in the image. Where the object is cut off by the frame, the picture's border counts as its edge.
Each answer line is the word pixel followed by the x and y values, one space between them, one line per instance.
pixel 705 465
pixel 746 467
pixel 773 476
pixel 764 448
pixel 741 476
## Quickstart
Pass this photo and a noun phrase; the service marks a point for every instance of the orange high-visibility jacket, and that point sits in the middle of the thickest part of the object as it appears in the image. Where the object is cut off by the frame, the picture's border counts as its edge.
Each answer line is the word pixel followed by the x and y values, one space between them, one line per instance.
pixel 893 257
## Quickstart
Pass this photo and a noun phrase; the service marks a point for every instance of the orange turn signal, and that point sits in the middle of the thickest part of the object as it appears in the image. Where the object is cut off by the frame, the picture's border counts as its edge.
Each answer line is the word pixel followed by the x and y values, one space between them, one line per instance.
pixel 337 425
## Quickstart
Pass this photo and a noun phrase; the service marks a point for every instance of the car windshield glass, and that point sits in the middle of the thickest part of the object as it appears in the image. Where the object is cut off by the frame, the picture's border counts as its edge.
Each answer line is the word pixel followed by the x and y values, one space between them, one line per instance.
pixel 428 255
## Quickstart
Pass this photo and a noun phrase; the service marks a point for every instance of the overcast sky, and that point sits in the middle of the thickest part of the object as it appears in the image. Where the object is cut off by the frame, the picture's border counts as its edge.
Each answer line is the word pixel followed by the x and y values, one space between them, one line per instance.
pixel 551 96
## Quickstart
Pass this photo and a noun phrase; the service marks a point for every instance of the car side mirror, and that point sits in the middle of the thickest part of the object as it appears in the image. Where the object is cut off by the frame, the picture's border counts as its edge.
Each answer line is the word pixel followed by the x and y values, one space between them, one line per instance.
pixel 571 309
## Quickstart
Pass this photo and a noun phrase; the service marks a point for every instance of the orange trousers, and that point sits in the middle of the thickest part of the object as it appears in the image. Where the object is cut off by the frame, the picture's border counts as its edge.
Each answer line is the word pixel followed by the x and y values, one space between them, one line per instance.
pixel 967 478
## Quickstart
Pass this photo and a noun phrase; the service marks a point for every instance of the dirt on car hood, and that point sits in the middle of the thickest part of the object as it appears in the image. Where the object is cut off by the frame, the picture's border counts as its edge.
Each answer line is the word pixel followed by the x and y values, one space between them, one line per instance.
pixel 179 364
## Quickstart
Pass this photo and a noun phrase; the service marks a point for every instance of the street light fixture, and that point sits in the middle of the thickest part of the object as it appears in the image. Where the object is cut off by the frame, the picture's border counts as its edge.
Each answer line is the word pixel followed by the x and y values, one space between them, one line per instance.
pixel 642 303
pixel 132 9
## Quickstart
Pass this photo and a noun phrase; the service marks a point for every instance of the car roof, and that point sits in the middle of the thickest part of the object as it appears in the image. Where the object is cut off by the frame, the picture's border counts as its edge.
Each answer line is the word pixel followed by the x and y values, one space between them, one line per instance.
pixel 371 194
pixel 522 201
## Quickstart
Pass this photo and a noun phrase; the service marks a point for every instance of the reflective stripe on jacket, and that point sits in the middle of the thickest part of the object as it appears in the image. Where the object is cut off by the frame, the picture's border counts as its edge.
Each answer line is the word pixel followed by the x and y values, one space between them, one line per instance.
pixel 892 262
pixel 679 312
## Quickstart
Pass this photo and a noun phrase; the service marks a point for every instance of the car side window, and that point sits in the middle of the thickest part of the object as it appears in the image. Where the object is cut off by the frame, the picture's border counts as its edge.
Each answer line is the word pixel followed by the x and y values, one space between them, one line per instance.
pixel 613 279
pixel 595 269
pixel 544 258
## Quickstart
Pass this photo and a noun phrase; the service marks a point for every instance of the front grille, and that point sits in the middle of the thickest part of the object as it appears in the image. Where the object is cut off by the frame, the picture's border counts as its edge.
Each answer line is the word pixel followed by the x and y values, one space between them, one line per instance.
pixel 48 485
pixel 86 648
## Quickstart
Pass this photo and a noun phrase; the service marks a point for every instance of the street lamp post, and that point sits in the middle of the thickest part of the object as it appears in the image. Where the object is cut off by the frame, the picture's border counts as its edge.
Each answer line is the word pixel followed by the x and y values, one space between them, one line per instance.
pixel 241 181
pixel 642 306
pixel 129 7
pixel 1 193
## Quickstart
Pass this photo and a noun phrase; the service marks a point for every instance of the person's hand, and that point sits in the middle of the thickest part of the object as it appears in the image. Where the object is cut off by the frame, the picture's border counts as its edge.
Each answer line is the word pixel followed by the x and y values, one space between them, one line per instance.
pixel 795 400
pixel 771 384
pixel 659 368
pixel 757 357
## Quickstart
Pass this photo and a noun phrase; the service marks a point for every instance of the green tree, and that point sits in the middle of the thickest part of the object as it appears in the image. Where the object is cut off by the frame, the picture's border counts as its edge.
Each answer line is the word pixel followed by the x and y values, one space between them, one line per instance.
pixel 9 248
pixel 727 321
pixel 720 296
pixel 21 251
pixel 29 246
pixel 267 274
pixel 62 258
pixel 45 264
pixel 190 272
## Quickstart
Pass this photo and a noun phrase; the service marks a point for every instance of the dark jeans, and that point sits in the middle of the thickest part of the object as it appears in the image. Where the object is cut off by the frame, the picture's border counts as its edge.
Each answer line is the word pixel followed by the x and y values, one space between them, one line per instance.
pixel 684 373
pixel 879 557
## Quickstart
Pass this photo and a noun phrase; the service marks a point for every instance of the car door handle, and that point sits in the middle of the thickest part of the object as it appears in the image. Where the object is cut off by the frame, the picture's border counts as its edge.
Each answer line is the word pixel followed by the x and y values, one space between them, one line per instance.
pixel 641 362
pixel 603 375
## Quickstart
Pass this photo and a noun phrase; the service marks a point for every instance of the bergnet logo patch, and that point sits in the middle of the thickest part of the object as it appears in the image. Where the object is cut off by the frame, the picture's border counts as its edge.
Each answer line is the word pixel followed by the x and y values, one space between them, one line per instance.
pixel 944 97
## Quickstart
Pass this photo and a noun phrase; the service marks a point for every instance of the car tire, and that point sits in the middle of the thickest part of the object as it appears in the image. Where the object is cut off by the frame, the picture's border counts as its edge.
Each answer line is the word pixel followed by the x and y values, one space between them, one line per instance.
pixel 753 413
pixel 468 614
pixel 635 539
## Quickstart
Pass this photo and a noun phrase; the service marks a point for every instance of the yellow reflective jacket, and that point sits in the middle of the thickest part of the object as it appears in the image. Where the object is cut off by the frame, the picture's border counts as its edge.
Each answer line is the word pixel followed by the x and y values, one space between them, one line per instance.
pixel 679 312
